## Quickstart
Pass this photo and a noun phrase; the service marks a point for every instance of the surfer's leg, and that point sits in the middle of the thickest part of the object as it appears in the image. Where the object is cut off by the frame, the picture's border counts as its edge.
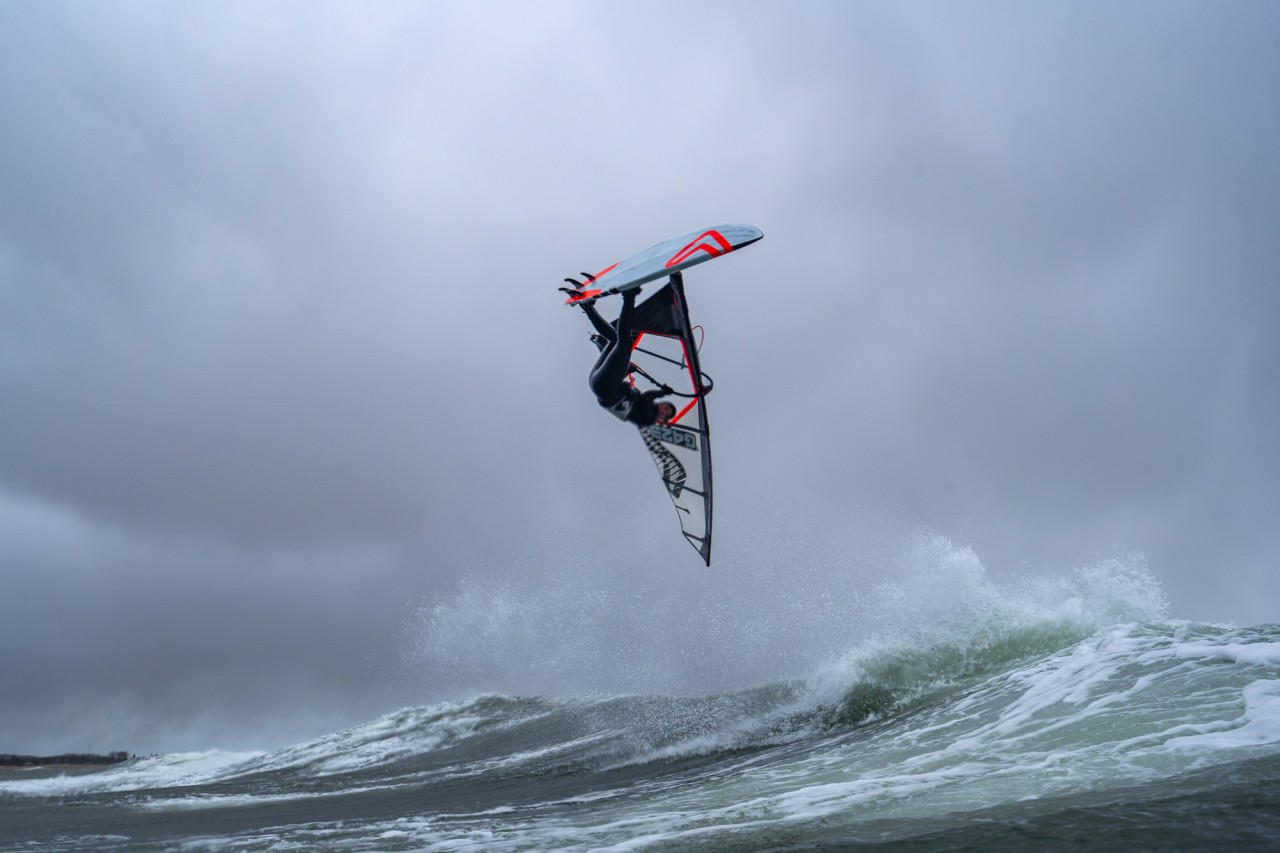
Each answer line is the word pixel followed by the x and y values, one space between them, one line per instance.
pixel 611 368
pixel 622 326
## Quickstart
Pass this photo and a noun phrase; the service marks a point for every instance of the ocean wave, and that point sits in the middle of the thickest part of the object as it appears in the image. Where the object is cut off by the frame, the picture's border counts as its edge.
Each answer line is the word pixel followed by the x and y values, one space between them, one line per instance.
pixel 871 746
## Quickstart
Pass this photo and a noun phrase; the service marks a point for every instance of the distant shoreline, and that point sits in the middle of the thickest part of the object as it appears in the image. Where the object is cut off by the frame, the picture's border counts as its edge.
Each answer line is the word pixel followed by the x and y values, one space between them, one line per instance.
pixel 70 759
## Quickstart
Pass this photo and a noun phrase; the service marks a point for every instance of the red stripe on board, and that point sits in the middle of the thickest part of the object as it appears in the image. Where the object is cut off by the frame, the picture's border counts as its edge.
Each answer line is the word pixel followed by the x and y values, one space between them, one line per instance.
pixel 698 246
pixel 581 295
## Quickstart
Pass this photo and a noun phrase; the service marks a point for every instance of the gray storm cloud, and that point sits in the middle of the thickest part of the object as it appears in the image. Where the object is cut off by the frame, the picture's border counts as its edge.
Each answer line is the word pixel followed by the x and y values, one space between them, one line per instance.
pixel 281 355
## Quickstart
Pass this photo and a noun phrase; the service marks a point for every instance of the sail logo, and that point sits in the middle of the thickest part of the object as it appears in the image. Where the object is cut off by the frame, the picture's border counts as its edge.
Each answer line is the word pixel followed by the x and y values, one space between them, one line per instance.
pixel 712 242
pixel 671 435
pixel 673 473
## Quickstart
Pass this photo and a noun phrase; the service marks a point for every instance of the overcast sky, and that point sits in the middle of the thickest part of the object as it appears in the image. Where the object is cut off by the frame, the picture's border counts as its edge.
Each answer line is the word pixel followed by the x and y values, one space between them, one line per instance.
pixel 292 418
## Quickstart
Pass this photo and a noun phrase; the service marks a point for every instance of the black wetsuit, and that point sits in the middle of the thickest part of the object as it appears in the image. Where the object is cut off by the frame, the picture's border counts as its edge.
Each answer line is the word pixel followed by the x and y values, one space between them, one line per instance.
pixel 609 376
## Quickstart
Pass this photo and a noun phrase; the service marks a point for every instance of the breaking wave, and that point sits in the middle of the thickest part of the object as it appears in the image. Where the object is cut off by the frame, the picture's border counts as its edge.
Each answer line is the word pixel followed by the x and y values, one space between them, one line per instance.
pixel 936 698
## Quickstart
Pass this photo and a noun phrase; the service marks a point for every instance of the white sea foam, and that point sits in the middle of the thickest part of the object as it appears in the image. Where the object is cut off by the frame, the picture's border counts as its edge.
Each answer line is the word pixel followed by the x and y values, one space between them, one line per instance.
pixel 216 801
pixel 1259 725
pixel 410 731
pixel 157 771
pixel 1255 654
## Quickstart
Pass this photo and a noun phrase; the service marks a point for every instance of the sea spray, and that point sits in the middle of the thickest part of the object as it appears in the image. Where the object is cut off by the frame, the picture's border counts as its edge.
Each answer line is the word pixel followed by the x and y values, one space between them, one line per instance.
pixel 568 633
pixel 941 621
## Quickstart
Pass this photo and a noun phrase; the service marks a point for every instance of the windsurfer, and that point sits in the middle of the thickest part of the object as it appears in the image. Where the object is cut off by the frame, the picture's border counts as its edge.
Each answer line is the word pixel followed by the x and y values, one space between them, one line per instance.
pixel 609 375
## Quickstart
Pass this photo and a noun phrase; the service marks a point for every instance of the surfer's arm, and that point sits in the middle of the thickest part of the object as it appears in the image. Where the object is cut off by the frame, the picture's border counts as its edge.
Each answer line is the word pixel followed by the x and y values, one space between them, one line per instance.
pixel 652 396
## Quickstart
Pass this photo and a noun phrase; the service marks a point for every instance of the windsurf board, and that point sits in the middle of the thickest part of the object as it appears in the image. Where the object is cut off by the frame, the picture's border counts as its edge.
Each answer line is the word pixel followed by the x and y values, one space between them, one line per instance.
pixel 664 259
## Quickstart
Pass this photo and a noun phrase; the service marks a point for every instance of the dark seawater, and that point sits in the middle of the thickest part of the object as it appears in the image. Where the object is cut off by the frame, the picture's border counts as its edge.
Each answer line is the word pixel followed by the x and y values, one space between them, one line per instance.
pixel 1146 735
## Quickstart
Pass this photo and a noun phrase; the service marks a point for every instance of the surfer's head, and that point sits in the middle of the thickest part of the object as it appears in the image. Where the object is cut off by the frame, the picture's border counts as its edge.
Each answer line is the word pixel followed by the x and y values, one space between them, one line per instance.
pixel 666 411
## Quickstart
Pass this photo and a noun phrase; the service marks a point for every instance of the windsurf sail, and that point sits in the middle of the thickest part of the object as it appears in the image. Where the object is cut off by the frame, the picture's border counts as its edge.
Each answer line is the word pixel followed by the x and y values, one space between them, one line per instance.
pixel 666 353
